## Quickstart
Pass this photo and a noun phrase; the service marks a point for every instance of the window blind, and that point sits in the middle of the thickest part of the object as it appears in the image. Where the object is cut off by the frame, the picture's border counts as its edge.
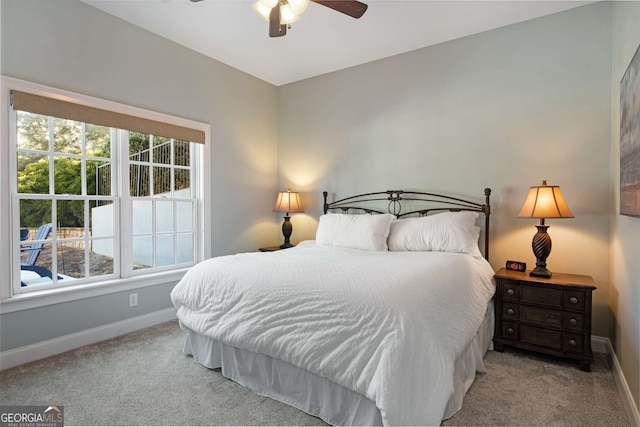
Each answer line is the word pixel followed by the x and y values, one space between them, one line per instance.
pixel 37 104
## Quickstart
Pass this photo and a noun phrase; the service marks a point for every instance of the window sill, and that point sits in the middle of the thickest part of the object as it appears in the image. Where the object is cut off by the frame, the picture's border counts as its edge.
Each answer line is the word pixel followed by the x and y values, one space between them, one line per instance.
pixel 61 295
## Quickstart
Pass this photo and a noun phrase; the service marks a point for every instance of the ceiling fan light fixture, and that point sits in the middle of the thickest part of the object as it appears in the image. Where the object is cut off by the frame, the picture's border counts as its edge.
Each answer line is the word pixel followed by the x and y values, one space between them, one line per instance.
pixel 270 4
pixel 262 10
pixel 287 15
pixel 298 6
pixel 280 14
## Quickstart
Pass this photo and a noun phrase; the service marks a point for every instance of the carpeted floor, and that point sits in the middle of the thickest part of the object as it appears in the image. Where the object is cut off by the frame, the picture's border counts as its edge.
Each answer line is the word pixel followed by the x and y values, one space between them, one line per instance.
pixel 144 379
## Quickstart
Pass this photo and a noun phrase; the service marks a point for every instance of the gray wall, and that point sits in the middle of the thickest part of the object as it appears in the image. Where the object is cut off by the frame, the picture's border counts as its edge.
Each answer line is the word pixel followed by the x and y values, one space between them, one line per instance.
pixel 70 45
pixel 503 109
pixel 625 231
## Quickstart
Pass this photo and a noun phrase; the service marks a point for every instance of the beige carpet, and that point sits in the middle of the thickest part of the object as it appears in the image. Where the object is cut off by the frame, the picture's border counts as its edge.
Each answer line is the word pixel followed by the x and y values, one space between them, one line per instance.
pixel 144 379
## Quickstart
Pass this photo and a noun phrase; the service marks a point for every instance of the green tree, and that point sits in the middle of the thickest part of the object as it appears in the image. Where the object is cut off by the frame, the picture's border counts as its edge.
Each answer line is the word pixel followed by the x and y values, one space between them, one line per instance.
pixel 34 179
pixel 33 168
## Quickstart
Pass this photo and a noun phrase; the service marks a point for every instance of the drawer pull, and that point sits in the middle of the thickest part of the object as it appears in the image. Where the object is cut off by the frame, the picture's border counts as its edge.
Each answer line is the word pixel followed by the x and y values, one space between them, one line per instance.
pixel 510 292
pixel 510 311
pixel 572 343
pixel 573 322
pixel 510 331
pixel 573 300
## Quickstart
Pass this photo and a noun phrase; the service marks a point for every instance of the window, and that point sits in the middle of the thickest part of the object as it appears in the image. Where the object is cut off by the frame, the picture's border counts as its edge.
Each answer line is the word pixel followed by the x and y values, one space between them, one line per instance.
pixel 162 201
pixel 100 194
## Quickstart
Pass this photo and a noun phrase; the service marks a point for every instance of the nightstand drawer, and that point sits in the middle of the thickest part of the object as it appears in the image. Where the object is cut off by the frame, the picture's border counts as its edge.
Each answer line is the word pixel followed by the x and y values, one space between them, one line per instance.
pixel 510 291
pixel 573 321
pixel 573 300
pixel 541 295
pixel 511 311
pixel 572 342
pixel 540 336
pixel 510 330
pixel 541 316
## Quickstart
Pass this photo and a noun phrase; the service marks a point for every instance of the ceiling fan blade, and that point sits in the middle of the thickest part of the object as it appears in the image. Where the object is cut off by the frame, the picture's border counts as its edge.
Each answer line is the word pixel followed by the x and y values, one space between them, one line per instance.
pixel 275 29
pixel 353 8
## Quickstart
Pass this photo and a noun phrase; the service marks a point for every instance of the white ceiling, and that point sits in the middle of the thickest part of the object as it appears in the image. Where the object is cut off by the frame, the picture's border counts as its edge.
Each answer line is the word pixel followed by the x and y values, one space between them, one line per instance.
pixel 323 40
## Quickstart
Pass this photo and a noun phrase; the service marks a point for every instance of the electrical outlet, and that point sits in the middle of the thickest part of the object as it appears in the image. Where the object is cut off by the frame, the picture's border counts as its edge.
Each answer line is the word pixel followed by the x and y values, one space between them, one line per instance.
pixel 133 299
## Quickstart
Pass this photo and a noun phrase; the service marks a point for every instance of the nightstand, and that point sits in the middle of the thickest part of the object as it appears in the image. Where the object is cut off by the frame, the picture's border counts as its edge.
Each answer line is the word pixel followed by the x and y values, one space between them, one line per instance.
pixel 272 249
pixel 551 316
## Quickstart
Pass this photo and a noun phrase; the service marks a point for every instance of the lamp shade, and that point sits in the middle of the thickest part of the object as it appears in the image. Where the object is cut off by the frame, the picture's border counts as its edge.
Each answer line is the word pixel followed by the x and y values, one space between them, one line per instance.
pixel 288 201
pixel 545 201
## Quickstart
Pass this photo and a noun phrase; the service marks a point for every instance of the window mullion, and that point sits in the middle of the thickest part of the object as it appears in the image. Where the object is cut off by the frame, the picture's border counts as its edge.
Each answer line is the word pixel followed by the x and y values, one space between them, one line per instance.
pixel 152 185
pixel 54 202
pixel 174 206
pixel 54 239
pixel 87 239
pixel 51 158
pixel 172 168
pixel 199 206
pixel 154 235
pixel 115 172
pixel 172 189
pixel 83 158
pixel 7 286
pixel 125 228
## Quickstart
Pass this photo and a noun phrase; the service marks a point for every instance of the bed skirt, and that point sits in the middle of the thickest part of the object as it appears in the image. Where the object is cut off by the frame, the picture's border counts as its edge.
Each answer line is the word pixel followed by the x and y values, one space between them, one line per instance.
pixel 319 396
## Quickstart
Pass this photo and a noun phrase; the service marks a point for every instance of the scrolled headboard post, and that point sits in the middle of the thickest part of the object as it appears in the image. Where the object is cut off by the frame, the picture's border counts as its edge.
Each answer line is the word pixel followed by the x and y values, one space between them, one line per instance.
pixel 487 211
pixel 325 205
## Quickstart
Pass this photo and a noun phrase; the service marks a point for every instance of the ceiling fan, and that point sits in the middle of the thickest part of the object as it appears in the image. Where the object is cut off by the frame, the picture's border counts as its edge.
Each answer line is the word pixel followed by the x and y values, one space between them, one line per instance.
pixel 282 13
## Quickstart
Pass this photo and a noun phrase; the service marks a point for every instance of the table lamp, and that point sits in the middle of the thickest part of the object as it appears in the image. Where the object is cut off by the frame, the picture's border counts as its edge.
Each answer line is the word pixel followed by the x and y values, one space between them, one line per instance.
pixel 288 202
pixel 545 201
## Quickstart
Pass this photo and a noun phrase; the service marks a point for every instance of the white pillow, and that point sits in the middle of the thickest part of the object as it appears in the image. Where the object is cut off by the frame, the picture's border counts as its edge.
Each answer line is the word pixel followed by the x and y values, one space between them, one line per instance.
pixel 366 232
pixel 444 232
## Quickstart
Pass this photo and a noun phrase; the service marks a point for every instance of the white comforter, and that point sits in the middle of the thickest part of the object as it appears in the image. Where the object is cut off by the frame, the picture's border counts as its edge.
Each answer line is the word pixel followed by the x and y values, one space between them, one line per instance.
pixel 387 325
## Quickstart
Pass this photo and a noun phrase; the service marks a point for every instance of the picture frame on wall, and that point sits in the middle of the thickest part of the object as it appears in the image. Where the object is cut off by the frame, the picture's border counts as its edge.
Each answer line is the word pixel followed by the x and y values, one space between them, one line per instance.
pixel 630 139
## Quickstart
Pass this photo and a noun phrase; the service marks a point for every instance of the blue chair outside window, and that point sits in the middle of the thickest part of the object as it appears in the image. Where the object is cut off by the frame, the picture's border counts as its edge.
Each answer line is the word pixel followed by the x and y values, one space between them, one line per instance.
pixel 33 252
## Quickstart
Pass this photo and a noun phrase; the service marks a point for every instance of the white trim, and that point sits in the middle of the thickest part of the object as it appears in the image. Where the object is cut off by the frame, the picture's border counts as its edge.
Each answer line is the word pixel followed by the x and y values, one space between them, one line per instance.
pixel 60 295
pixel 5 208
pixel 603 345
pixel 599 344
pixel 90 101
pixel 41 350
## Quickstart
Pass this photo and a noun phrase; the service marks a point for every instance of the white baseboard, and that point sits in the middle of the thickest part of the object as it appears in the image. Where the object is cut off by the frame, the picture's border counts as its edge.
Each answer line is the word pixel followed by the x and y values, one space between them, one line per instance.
pixel 37 351
pixel 603 345
pixel 599 344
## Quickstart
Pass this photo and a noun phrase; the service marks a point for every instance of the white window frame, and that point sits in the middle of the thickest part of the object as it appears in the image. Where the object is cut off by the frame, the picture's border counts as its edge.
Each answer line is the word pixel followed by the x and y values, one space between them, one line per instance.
pixel 11 301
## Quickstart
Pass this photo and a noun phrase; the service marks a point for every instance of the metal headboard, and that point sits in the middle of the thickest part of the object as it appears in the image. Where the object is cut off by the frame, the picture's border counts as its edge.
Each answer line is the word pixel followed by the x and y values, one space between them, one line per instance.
pixel 405 203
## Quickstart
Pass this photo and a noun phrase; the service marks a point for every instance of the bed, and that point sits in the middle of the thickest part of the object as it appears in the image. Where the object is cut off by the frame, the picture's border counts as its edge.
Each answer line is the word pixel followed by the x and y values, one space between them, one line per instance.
pixel 383 319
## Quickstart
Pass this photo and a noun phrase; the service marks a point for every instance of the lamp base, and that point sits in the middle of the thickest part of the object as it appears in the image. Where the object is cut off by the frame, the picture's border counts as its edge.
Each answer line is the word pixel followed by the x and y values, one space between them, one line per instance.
pixel 287 228
pixel 540 272
pixel 541 245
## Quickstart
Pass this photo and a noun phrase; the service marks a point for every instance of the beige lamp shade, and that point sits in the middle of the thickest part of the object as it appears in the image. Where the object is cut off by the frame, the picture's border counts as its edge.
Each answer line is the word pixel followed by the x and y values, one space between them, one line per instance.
pixel 545 201
pixel 288 201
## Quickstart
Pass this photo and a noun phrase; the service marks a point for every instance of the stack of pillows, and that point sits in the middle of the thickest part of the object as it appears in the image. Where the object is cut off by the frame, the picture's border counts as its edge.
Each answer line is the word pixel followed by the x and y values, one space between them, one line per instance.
pixel 443 232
